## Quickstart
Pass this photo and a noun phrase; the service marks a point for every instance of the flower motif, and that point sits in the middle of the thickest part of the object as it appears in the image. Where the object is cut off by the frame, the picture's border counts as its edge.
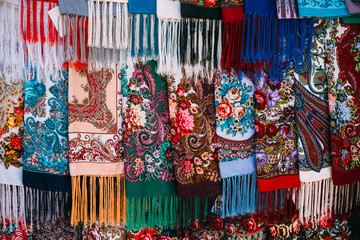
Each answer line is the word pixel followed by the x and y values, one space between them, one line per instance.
pixel 135 117
pixel 295 226
pixel 224 110
pixel 229 230
pixel 272 98
pixel 234 94
pixel 135 99
pixel 184 104
pixel 239 111
pixel 132 85
pixel 283 231
pixel 325 221
pixel 273 231
pixel 16 142
pixel 271 130
pixel 61 165
pixel 285 131
pixel 260 100
pixel 216 222
pixel 249 225
pixel 199 170
pixel 261 158
pixel 184 122
pixel 19 111
pixel 180 91
pixel 289 144
pixel 197 161
pixel 14 120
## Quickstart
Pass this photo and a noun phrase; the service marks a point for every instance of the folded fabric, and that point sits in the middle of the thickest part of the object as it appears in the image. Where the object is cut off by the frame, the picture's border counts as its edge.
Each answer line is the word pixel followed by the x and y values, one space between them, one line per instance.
pixel 142 6
pixel 322 8
pixel 95 148
pixel 287 9
pixel 45 170
pixel 352 7
pixel 74 7
pixel 150 180
pixel 201 9
pixel 235 135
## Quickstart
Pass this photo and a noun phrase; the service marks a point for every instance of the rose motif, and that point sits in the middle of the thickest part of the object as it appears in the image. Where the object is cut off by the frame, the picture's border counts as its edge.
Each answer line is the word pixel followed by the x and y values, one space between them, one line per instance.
pixel 216 222
pixel 19 235
pixel 184 122
pixel 229 230
pixel 16 142
pixel 135 99
pixel 233 95
pixel 260 100
pixel 195 225
pixel 283 231
pixel 181 91
pixel 14 120
pixel 295 227
pixel 224 110
pixel 135 117
pixel 259 129
pixel 273 231
pixel 239 111
pixel 132 85
pixel 146 236
pixel 325 221
pixel 271 130
pixel 184 104
pixel 19 111
pixel 249 225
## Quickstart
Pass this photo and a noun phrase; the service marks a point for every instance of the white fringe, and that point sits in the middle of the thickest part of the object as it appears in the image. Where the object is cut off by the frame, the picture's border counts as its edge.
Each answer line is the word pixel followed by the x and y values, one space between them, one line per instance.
pixel 12 203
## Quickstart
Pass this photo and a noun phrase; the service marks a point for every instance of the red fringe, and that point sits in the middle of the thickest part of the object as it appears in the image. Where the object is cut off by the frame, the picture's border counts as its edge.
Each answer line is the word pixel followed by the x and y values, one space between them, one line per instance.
pixel 22 20
pixel 232 46
pixel 35 37
pixel 28 26
pixel 42 31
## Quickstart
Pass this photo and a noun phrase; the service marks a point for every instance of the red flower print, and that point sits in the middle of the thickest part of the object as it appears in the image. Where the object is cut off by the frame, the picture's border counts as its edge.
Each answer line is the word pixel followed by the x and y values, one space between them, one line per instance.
pixel 16 142
pixel 295 227
pixel 146 237
pixel 135 99
pixel 343 235
pixel 249 225
pixel 229 229
pixel 184 104
pixel 271 130
pixel 19 234
pixel 19 111
pixel 216 222
pixel 326 221
pixel 1 132
pixel 210 3
pixel 260 100
pixel 224 110
pixel 259 128
pixel 180 91
pixel 184 122
pixel 273 231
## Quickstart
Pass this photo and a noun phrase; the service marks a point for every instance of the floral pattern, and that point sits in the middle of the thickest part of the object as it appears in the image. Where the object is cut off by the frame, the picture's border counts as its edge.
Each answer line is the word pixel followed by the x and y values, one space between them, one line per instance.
pixel 203 3
pixel 10 230
pixel 146 125
pixel 46 124
pixel 11 124
pixel 108 232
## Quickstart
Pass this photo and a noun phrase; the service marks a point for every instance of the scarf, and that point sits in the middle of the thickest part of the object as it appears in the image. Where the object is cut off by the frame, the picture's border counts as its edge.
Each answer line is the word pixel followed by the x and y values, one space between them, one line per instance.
pixel 144 29
pixel 322 8
pixel 354 9
pixel 275 142
pixel 150 185
pixel 192 116
pixel 343 71
pixel 12 195
pixel 201 9
pixel 235 134
pixel 313 128
pixel 232 15
pixel 45 169
pixel 95 148
pixel 108 33
pixel 287 9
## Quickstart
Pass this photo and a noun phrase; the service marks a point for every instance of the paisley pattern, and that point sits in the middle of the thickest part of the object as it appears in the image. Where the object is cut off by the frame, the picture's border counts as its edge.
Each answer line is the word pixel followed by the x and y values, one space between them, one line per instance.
pixel 146 125
pixel 46 124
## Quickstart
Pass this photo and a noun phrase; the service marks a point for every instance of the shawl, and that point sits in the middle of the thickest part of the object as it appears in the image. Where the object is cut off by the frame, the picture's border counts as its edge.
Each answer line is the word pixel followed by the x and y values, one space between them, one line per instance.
pixel 313 131
pixel 353 8
pixel 232 15
pixel 95 148
pixel 235 134
pixel 142 6
pixel 108 33
pixel 12 195
pixel 150 181
pixel 201 9
pixel 343 73
pixel 45 169
pixel 322 8
pixel 287 9
pixel 193 133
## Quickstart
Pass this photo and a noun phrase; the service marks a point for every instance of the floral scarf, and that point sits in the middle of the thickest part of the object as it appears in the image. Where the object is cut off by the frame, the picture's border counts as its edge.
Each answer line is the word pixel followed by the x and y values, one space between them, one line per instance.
pixel 322 8
pixel 313 128
pixel 150 185
pixel 235 134
pixel 193 133
pixel 11 150
pixel 95 148
pixel 342 48
pixel 208 9
pixel 46 172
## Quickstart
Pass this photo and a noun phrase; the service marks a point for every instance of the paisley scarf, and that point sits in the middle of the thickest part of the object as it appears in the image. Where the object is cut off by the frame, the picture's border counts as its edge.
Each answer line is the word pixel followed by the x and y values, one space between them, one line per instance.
pixel 45 169
pixel 150 185
pixel 235 134
pixel 95 148
pixel 322 8
pixel 275 142
pixel 12 195
pixel 193 133
pixel 313 128
pixel 342 70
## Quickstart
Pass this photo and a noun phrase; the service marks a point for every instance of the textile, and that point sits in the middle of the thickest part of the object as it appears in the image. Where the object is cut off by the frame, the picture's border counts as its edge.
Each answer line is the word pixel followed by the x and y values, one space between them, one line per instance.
pixel 148 166
pixel 208 9
pixel 352 7
pixel 287 9
pixel 142 6
pixel 235 130
pixel 95 149
pixel 71 7
pixel 322 8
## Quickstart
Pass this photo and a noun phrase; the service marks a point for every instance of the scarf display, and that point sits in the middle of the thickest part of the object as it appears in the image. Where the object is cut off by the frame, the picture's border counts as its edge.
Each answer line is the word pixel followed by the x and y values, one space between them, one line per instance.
pixel 342 73
pixel 313 128
pixel 150 180
pixel 12 204
pixel 287 9
pixel 45 169
pixel 95 146
pixel 322 8
pixel 201 9
pixel 193 133
pixel 235 135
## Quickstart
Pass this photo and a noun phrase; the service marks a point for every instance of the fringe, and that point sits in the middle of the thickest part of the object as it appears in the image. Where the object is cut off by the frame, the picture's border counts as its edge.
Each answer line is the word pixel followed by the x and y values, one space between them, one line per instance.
pixel 44 206
pixel 346 198
pixel 315 199
pixel 12 203
pixel 239 195
pixel 98 199
pixel 232 46
pixel 12 46
pixel 151 212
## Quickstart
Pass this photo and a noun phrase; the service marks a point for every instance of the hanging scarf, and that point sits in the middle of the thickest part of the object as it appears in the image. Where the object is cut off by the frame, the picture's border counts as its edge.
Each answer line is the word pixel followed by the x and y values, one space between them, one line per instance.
pixel 95 148
pixel 232 15
pixel 275 141
pixel 313 128
pixel 12 195
pixel 12 61
pixel 287 9
pixel 354 9
pixel 150 185
pixel 192 115
pixel 144 29
pixel 108 33
pixel 201 9
pixel 322 8
pixel 235 129
pixel 46 173
pixel 343 73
